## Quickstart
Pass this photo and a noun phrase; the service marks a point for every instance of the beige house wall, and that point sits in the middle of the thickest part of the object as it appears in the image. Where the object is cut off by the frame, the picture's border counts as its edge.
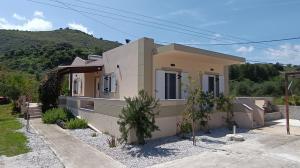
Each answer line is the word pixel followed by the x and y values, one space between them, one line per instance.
pixel 135 65
pixel 194 65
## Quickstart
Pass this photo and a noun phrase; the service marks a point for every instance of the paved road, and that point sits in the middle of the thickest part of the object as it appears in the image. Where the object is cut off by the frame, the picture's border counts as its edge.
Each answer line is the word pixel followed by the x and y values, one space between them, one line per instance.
pixel 73 152
pixel 269 150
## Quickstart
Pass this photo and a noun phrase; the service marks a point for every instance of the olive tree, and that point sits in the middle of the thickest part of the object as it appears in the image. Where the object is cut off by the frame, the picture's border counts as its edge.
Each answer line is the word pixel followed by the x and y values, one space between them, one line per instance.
pixel 199 105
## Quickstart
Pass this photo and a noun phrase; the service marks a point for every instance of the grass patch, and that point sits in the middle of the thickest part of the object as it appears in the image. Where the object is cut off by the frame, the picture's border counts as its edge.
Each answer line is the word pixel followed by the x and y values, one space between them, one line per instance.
pixel 76 123
pixel 11 142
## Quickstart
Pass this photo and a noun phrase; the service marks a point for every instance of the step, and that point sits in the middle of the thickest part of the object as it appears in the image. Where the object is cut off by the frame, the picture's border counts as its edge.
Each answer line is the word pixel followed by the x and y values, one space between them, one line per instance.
pixel 34 111
pixel 36 116
pixel 31 114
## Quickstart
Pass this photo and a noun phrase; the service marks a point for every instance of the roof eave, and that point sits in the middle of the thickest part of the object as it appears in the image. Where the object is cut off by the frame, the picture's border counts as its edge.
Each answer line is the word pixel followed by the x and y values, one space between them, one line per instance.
pixel 184 48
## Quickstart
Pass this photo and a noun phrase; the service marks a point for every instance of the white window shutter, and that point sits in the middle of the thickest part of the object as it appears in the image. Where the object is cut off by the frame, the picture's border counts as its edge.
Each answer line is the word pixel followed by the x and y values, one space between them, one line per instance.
pixel 160 84
pixel 221 83
pixel 184 85
pixel 205 83
pixel 113 81
pixel 104 85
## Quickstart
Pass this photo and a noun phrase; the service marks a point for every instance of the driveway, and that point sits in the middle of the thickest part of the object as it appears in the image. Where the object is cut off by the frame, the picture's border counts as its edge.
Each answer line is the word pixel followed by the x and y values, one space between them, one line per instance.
pixel 269 149
pixel 278 127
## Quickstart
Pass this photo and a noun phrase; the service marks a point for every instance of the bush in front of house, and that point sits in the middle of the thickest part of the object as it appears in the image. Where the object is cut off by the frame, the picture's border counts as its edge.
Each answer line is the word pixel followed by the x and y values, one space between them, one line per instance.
pixel 53 115
pixel 139 115
pixel 76 123
pixel 185 128
pixel 49 90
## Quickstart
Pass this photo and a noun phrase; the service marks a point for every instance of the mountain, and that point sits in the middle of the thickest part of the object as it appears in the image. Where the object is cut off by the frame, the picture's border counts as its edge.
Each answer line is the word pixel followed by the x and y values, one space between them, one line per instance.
pixel 37 52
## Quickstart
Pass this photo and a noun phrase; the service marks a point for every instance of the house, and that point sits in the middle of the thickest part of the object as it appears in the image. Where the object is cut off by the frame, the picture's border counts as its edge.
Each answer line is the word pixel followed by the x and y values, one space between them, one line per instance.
pixel 98 85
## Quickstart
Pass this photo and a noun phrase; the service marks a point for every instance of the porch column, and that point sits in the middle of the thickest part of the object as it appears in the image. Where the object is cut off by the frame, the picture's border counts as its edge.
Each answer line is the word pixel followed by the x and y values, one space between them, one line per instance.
pixel 70 84
pixel 226 80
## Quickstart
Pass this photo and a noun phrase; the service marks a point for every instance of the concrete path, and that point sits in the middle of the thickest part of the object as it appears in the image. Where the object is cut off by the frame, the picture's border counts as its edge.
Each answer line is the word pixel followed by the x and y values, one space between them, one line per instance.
pixel 278 127
pixel 73 152
pixel 266 151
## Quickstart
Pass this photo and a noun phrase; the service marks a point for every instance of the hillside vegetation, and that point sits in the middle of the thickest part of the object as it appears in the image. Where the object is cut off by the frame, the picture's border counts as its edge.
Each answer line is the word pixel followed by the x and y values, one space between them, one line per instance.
pixel 263 80
pixel 36 52
pixel 25 56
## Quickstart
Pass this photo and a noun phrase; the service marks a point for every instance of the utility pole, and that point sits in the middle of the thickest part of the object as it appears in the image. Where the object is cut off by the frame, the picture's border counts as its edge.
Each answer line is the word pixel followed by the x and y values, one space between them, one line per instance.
pixel 286 77
pixel 295 74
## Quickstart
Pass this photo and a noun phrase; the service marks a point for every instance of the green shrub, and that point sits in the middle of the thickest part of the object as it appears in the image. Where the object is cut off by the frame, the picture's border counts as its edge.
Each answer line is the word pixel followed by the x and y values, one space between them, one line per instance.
pixel 139 115
pixel 52 115
pixel 294 100
pixel 76 123
pixel 49 90
pixel 185 128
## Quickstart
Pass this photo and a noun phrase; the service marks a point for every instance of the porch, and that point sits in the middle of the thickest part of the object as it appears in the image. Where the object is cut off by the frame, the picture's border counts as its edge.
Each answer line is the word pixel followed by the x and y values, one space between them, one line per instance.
pixel 86 79
pixel 103 114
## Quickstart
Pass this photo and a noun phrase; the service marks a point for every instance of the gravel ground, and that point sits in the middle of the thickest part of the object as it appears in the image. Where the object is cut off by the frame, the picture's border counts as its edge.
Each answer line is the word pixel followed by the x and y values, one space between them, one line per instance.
pixel 40 156
pixel 159 150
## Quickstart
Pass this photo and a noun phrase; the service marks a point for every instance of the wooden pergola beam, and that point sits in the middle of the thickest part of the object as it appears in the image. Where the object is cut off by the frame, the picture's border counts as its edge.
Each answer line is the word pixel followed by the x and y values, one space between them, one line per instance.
pixel 84 69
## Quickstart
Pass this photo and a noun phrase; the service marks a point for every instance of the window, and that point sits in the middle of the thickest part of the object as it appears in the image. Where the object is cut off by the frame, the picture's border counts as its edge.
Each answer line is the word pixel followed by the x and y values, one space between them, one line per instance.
pixel 213 84
pixel 109 83
pixel 170 86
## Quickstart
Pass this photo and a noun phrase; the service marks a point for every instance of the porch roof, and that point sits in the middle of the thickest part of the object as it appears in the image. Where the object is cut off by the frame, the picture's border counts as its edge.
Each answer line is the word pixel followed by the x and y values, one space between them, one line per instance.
pixel 79 69
pixel 80 65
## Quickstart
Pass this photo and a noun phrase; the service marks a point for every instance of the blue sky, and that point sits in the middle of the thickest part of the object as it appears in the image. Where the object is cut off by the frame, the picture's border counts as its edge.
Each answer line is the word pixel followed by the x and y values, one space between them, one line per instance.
pixel 222 21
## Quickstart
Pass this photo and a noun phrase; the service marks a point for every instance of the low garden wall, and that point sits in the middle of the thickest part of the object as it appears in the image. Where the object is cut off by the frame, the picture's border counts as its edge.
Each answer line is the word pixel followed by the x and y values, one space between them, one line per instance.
pixel 273 116
pixel 294 111
pixel 103 114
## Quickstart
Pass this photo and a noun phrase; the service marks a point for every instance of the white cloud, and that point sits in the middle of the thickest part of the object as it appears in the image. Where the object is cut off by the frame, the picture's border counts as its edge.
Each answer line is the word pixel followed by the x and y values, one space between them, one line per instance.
pixel 244 49
pixel 286 53
pixel 3 20
pixel 35 24
pixel 18 17
pixel 80 27
pixel 38 14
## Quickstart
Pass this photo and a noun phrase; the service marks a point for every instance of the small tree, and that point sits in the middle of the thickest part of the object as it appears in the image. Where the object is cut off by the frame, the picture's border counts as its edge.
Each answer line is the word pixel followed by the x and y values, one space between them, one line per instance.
pixel 49 91
pixel 205 104
pixel 139 115
pixel 199 105
pixel 225 104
